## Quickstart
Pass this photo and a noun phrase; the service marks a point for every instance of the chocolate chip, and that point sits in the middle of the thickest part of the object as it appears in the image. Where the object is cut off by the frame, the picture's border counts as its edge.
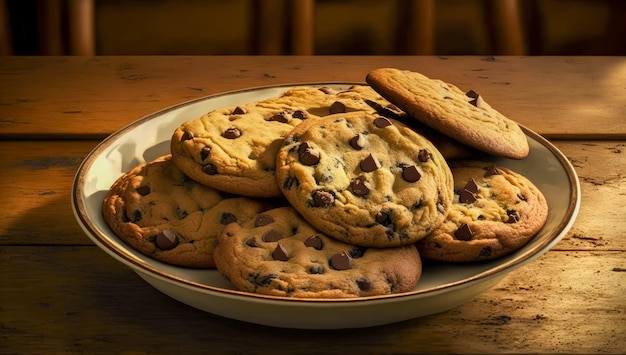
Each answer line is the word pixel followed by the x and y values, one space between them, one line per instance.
pixel 282 117
pixel 166 239
pixel 231 133
pixel 316 270
pixel 341 261
pixel 143 190
pixel 238 111
pixel 514 216
pixel 314 242
pixel 424 155
pixel 227 218
pixel 484 252
pixel 471 186
pixel 370 163
pixel 263 220
pixel 464 233
pixel 136 216
pixel 357 251
pixel 251 243
pixel 411 174
pixel 326 90
pixel 209 169
pixel 308 155
pixel 205 152
pixel 186 136
pixel 364 284
pixel 382 217
pixel 492 170
pixel 322 198
pixel 477 100
pixel 358 187
pixel 466 196
pixel 280 253
pixel 357 142
pixel 337 107
pixel 299 114
pixel 272 235
pixel 381 122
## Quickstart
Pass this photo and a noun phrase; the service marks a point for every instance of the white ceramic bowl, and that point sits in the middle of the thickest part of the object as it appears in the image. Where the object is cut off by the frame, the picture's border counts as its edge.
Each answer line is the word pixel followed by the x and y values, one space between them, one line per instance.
pixel 442 287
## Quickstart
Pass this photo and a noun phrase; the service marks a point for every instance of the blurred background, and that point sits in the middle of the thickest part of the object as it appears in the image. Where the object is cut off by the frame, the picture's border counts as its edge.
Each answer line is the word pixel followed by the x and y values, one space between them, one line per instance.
pixel 324 27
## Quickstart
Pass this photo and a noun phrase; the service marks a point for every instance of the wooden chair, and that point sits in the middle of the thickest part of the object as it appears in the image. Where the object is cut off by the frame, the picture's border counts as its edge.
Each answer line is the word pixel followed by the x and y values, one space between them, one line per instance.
pixel 273 18
pixel 418 34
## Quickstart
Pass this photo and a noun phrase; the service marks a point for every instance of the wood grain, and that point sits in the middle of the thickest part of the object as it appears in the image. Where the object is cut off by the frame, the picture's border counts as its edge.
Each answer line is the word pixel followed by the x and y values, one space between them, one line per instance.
pixel 94 96
pixel 104 307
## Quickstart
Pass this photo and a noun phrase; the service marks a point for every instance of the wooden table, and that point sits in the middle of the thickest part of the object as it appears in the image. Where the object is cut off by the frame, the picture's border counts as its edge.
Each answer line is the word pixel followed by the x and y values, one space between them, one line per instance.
pixel 60 293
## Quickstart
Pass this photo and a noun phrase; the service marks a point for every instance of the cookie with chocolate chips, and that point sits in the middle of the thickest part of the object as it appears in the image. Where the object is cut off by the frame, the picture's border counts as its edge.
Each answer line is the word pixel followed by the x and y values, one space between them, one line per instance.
pixel 464 116
pixel 233 149
pixel 278 253
pixel 495 212
pixel 162 213
pixel 365 179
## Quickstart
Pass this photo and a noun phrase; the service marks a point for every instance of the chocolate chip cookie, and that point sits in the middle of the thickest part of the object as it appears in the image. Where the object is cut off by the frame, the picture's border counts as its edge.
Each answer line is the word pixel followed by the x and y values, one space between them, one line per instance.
pixel 365 179
pixel 278 253
pixel 233 149
pixel 464 116
pixel 495 212
pixel 160 212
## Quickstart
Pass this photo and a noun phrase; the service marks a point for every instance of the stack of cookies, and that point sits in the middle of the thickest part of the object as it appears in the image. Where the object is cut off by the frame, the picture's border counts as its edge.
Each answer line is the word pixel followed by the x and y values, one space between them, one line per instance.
pixel 323 193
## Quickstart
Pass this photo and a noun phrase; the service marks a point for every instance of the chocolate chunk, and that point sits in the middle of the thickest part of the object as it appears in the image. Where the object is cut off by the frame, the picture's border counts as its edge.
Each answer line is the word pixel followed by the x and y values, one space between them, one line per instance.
pixel 337 107
pixel 370 163
pixel 238 111
pixel 308 155
pixel 314 242
pixel 227 218
pixel 316 270
pixel 357 251
pixel 282 117
pixel 251 243
pixel 209 169
pixel 205 152
pixel 341 261
pixel 464 233
pixel 484 252
pixel 476 99
pixel 424 155
pixel 358 187
pixel 299 114
pixel 467 196
pixel 262 280
pixel 322 198
pixel 263 220
pixel 357 142
pixel 382 217
pixel 272 235
pixel 364 283
pixel 280 253
pixel 411 174
pixel 136 216
pixel 232 133
pixel 186 136
pixel 492 170
pixel 514 216
pixel 381 122
pixel 143 190
pixel 166 240
pixel 471 186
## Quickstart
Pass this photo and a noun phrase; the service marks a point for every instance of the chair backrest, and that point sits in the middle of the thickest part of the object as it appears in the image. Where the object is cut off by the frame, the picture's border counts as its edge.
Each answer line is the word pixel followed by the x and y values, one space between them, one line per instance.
pixel 68 27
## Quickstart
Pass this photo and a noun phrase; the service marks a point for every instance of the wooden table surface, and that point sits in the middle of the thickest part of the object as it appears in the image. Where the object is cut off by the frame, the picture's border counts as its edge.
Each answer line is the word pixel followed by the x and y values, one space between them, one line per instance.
pixel 59 293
